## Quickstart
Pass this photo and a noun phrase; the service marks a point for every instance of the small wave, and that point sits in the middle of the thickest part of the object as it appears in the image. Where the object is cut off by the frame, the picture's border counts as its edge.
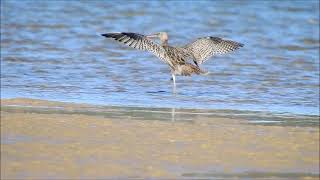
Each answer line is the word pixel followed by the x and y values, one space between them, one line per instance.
pixel 155 92
pixel 295 48
pixel 308 41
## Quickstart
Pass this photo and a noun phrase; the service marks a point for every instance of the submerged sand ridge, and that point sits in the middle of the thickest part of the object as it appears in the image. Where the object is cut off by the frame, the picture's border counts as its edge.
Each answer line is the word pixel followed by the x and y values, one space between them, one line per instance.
pixel 55 145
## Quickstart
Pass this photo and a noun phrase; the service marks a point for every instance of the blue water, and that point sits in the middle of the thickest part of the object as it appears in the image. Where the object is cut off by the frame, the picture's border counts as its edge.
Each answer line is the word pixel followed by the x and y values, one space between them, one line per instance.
pixel 53 50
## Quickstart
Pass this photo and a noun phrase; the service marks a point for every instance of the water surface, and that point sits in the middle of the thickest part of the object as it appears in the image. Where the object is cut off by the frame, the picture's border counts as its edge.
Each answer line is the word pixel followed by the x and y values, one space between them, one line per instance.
pixel 53 50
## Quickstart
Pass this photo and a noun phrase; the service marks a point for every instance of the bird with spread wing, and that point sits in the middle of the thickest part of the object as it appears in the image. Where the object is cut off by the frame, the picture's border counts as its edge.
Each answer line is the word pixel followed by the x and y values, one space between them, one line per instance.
pixel 177 58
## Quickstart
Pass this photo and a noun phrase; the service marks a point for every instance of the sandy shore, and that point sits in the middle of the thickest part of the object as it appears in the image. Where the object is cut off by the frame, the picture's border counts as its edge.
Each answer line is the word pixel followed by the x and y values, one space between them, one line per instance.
pixel 55 145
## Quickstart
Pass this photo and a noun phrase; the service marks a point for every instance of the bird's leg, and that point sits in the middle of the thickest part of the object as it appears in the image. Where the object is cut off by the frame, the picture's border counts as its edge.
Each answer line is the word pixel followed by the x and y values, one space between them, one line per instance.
pixel 174 82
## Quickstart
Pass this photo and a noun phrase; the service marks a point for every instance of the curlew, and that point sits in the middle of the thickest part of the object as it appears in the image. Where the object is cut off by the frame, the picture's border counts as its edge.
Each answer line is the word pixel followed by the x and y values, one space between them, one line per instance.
pixel 183 60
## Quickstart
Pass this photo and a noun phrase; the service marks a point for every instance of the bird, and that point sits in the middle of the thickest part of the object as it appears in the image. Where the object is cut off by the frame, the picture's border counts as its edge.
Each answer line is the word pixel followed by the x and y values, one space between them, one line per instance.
pixel 184 60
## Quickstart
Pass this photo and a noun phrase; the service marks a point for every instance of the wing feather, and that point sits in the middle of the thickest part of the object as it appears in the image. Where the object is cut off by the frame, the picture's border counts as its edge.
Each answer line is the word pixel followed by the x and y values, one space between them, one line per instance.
pixel 141 42
pixel 204 48
pixel 138 41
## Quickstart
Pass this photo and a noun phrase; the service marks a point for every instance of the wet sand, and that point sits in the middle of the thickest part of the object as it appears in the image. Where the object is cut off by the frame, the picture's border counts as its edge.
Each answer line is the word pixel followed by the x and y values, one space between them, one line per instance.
pixel 55 145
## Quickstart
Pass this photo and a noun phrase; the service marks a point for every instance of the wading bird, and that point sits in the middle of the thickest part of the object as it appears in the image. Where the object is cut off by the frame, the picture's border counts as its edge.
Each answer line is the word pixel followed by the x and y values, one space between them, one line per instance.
pixel 178 58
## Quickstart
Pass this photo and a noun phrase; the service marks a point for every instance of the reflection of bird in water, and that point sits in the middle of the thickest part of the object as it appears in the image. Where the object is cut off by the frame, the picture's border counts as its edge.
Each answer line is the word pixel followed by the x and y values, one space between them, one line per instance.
pixel 177 57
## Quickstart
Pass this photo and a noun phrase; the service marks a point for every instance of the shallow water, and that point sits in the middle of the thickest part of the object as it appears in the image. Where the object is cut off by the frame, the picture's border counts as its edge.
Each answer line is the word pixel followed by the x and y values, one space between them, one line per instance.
pixel 53 50
pixel 169 114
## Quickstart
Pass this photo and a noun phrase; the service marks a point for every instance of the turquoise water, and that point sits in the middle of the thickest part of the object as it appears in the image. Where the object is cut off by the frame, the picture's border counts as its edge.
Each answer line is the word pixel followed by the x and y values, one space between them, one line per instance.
pixel 53 50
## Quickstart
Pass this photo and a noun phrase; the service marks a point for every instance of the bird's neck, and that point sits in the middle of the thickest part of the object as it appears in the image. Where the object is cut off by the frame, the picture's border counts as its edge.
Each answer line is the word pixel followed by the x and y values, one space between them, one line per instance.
pixel 164 43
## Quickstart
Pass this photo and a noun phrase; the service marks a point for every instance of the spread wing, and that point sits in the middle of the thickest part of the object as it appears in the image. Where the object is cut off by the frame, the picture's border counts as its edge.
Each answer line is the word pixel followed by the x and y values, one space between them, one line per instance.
pixel 137 41
pixel 203 48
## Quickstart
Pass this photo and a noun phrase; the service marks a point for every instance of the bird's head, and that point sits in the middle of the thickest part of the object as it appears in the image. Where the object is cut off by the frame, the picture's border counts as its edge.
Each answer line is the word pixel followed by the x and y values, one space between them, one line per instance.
pixel 163 36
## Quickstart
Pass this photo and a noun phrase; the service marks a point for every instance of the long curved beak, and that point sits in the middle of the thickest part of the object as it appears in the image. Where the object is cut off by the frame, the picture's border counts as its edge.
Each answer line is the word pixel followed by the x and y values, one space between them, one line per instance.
pixel 152 36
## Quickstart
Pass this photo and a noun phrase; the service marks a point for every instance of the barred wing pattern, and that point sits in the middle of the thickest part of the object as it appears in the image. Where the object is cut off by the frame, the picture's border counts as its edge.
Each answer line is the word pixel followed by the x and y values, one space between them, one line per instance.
pixel 203 48
pixel 137 41
pixel 177 56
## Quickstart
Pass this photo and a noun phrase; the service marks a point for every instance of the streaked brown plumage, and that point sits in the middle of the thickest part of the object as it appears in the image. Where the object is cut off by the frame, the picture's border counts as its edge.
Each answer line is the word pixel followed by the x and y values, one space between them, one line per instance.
pixel 177 57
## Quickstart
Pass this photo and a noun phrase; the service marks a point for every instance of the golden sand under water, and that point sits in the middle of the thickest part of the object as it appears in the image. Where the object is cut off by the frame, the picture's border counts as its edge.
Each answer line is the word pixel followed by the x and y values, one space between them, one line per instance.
pixel 49 145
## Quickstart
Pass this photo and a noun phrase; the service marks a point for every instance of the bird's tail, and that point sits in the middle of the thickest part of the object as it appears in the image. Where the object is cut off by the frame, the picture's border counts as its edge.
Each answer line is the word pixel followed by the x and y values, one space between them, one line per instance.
pixel 189 69
pixel 204 72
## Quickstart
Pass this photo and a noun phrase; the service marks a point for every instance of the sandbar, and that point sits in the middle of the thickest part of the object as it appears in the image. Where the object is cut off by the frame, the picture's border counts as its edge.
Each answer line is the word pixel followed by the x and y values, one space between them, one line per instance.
pixel 42 145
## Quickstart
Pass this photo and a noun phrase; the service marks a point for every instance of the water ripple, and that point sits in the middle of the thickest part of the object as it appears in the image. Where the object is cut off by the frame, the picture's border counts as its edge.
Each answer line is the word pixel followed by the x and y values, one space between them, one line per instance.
pixel 53 50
